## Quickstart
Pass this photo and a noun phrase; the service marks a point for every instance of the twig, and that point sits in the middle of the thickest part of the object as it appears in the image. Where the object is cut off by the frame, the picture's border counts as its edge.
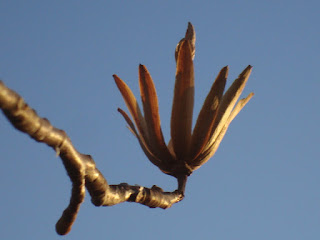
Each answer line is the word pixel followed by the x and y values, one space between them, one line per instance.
pixel 80 168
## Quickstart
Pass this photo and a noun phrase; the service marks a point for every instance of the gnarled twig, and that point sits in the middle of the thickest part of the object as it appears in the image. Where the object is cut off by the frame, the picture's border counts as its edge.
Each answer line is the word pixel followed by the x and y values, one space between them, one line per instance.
pixel 80 168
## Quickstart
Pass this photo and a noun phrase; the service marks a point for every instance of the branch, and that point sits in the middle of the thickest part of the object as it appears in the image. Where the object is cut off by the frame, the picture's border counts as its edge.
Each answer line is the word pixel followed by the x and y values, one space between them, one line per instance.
pixel 80 168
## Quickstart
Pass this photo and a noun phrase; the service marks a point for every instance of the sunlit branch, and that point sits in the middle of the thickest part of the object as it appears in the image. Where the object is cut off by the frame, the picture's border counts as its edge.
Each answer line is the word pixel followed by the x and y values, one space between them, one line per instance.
pixel 80 168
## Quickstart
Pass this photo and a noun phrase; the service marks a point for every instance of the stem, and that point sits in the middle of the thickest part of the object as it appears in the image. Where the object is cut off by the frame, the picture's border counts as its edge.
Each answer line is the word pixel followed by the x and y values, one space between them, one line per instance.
pixel 182 181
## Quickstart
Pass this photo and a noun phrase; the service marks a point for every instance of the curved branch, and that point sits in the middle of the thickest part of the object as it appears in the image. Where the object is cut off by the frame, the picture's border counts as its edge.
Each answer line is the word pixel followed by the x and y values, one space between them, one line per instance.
pixel 80 168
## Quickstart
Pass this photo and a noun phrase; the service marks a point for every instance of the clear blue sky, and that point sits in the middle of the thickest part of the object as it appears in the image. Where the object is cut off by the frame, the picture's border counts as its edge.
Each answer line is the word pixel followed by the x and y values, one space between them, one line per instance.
pixel 263 183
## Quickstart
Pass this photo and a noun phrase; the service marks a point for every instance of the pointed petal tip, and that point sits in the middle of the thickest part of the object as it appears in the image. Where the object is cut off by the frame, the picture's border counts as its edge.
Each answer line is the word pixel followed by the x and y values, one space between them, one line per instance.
pixel 143 68
pixel 190 26
pixel 225 70
pixel 246 99
pixel 248 68
pixel 120 84
pixel 191 36
pixel 246 72
pixel 115 77
pixel 250 96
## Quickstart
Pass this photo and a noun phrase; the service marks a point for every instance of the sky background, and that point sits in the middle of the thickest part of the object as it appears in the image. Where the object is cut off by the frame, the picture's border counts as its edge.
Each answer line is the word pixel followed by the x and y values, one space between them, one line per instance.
pixel 263 182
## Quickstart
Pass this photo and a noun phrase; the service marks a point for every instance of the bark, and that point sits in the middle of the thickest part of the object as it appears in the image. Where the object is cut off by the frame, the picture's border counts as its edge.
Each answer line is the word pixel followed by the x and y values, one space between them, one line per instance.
pixel 80 168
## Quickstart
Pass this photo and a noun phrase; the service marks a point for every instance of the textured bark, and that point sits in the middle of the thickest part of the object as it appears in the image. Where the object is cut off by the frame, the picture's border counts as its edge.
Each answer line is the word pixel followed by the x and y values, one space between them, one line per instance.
pixel 80 168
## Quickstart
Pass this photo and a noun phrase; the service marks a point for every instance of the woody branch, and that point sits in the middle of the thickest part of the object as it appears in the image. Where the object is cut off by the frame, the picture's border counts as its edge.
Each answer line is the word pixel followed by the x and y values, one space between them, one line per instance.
pixel 80 168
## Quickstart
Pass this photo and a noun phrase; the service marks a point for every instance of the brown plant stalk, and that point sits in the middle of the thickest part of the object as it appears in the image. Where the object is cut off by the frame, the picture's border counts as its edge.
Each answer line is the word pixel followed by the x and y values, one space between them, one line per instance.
pixel 80 168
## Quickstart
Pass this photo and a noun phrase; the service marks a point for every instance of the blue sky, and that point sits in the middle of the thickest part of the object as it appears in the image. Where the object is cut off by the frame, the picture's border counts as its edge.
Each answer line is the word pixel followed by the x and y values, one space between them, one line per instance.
pixel 263 182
